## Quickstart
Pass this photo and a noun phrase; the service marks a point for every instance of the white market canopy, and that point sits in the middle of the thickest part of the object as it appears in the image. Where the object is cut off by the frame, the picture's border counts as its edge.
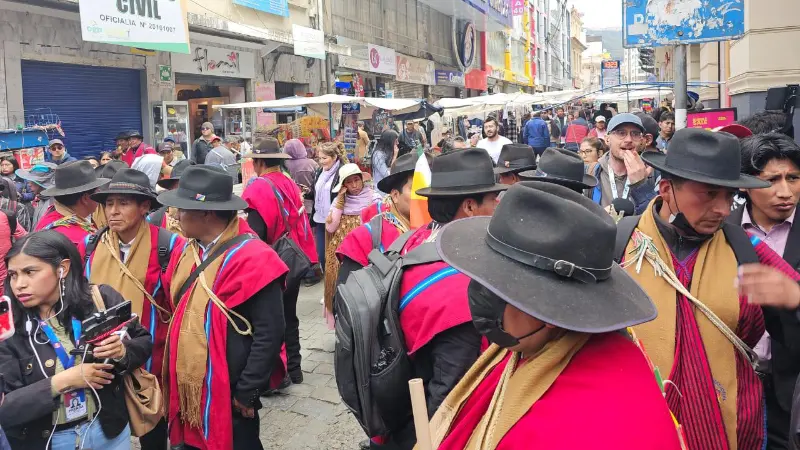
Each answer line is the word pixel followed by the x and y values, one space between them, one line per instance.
pixel 320 104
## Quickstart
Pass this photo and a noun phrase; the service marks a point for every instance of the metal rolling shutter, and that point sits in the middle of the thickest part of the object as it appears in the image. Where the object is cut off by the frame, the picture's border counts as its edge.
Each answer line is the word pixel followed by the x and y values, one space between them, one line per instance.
pixel 438 92
pixel 93 103
pixel 406 90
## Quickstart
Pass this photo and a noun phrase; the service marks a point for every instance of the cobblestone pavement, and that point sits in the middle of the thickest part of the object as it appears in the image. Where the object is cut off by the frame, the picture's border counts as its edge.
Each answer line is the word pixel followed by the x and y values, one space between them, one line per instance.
pixel 309 416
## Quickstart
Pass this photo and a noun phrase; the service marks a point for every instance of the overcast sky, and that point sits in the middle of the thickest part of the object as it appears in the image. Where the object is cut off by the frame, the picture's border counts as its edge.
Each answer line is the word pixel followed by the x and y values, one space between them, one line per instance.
pixel 600 13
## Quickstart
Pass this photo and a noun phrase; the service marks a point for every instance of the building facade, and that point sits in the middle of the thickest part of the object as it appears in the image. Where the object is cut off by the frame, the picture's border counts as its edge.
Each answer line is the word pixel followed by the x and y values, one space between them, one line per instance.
pixel 577 47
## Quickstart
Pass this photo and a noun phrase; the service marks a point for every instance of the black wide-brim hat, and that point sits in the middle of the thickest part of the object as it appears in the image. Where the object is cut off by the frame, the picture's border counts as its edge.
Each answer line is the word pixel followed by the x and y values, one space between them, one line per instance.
pixel 515 158
pixel 128 182
pixel 267 148
pixel 550 226
pixel 177 171
pixel 465 172
pixel 74 178
pixel 204 188
pixel 563 167
pixel 402 168
pixel 706 157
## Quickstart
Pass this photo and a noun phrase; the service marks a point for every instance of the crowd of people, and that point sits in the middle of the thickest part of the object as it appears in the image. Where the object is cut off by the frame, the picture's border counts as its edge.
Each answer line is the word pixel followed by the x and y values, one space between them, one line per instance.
pixel 608 282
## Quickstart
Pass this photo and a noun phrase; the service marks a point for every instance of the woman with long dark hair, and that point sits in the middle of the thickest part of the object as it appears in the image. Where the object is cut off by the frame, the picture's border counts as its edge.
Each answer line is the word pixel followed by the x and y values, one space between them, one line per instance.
pixel 53 396
pixel 383 156
pixel 8 169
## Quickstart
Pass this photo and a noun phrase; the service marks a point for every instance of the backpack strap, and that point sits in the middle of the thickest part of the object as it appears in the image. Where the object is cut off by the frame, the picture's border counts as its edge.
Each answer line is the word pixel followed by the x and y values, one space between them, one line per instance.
pixel 157 217
pixel 166 242
pixel 97 298
pixel 12 223
pixel 741 244
pixel 400 242
pixel 375 228
pixel 91 244
pixel 424 254
pixel 597 193
pixel 625 229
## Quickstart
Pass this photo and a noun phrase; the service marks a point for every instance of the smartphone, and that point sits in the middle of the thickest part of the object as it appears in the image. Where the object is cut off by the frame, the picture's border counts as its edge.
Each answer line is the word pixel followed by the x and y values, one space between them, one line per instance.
pixel 6 318
pixel 103 322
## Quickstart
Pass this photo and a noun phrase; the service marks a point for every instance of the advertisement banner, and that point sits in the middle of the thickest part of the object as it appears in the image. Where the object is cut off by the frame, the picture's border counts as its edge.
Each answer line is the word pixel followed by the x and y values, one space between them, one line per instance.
pixel 711 118
pixel 500 12
pixel 308 42
pixel 476 79
pixel 221 62
pixel 382 60
pixel 276 7
pixel 264 92
pixel 450 78
pixel 148 25
pixel 610 74
pixel 415 70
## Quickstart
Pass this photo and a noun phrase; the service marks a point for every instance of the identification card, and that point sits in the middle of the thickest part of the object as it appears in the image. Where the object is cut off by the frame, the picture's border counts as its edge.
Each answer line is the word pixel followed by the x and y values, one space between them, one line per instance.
pixel 75 405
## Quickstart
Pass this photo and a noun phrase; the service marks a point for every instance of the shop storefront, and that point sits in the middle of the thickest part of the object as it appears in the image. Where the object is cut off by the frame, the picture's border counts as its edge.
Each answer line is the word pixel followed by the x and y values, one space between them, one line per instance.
pixel 449 84
pixel 353 72
pixel 211 76
pixel 92 104
pixel 413 75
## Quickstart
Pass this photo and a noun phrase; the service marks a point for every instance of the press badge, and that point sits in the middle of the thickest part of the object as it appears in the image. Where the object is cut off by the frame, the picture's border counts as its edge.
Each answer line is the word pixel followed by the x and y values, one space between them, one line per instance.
pixel 75 404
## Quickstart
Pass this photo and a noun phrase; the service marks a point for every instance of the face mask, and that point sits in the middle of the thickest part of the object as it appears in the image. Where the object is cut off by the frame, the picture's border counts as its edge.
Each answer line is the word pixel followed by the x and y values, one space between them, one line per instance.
pixel 680 222
pixel 487 316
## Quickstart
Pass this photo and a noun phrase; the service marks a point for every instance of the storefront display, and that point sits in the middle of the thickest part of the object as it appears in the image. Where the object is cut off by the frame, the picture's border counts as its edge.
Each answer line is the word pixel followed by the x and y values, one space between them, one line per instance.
pixel 171 119
pixel 350 114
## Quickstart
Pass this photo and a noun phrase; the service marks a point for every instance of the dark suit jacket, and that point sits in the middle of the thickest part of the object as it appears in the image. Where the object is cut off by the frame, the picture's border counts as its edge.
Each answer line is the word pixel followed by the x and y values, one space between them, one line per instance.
pixel 783 326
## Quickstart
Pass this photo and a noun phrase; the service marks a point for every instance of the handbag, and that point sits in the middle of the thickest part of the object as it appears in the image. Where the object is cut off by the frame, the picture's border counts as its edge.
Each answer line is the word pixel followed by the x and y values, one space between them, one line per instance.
pixel 143 397
pixel 287 249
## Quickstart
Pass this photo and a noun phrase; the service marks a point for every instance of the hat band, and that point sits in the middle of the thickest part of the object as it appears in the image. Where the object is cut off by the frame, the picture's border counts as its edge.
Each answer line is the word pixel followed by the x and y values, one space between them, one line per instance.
pixel 130 186
pixel 518 163
pixel 560 267
pixel 461 178
pixel 200 197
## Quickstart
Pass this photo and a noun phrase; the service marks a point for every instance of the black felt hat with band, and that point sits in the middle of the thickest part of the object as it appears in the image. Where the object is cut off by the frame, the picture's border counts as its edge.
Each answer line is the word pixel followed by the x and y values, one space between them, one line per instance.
pixel 177 172
pixel 706 157
pixel 515 158
pixel 204 188
pixel 73 178
pixel 465 172
pixel 267 148
pixel 402 168
pixel 128 182
pixel 549 251
pixel 562 167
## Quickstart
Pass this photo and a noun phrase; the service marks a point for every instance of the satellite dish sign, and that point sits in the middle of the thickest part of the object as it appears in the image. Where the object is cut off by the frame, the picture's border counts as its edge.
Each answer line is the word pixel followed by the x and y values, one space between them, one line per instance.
pixel 656 23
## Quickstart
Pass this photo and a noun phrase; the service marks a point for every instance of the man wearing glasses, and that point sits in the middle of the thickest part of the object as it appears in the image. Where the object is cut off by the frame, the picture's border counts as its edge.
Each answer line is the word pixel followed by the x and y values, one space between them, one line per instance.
pixel 202 146
pixel 621 172
pixel 58 153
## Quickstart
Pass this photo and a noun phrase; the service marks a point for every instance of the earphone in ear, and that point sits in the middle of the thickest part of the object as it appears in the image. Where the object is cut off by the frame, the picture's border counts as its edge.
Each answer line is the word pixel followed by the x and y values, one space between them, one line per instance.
pixel 60 273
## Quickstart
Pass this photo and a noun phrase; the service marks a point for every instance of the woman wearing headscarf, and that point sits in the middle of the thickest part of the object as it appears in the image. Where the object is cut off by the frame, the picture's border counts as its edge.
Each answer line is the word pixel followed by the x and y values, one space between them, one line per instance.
pixel 352 197
pixel 384 155
pixel 302 170
pixel 331 157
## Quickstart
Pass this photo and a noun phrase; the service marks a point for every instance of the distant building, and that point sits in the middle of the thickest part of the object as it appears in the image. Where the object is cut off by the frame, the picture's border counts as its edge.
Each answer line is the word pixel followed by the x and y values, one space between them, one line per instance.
pixel 577 47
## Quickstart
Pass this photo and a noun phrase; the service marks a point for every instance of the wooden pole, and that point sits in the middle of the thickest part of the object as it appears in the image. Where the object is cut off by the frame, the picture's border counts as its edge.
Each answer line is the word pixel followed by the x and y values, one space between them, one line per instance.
pixel 420 410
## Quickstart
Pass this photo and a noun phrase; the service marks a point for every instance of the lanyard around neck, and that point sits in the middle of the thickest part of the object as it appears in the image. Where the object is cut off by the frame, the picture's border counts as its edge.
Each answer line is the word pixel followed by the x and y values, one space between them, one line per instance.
pixel 613 183
pixel 66 360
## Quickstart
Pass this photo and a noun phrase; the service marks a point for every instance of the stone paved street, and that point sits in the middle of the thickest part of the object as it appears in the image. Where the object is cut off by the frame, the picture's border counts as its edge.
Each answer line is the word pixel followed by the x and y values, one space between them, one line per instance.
pixel 310 415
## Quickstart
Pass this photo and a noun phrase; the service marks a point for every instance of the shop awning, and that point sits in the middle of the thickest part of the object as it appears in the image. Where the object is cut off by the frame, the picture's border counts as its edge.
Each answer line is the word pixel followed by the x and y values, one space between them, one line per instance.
pixel 320 104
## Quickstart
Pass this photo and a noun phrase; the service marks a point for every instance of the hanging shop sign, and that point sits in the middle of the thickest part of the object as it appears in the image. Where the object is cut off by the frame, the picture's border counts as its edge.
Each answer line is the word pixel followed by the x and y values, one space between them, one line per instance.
pixel 450 78
pixel 382 60
pixel 276 7
pixel 476 79
pixel 308 42
pixel 215 61
pixel 465 43
pixel 415 70
pixel 711 118
pixel 148 24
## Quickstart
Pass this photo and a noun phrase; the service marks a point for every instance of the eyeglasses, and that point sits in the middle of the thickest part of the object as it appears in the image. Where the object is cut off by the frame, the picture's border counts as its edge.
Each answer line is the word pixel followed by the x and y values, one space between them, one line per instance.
pixel 622 134
pixel 205 128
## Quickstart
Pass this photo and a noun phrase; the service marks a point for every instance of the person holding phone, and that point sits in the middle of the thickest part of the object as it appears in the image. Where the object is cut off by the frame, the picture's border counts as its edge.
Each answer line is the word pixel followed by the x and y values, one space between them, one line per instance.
pixel 51 396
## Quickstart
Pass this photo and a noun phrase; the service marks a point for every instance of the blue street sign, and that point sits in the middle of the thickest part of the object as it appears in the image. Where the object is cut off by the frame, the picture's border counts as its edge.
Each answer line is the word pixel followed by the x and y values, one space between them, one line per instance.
pixel 277 7
pixel 656 23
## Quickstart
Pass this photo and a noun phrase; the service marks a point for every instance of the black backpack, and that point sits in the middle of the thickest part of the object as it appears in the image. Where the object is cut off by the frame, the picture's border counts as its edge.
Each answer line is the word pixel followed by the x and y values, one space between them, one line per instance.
pixel 166 242
pixel 371 359
pixel 735 235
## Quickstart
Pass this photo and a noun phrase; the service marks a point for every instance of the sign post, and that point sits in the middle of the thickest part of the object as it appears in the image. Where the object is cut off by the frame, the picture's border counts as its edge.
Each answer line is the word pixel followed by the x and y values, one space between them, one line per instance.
pixel 661 23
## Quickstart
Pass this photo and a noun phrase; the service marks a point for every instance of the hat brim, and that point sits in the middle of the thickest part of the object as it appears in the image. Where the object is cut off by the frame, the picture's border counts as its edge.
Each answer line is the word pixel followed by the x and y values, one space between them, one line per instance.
pixel 461 191
pixel 28 176
pixel 267 156
pixel 386 183
pixel 339 185
pixel 502 170
pixel 613 304
pixel 588 181
pixel 659 161
pixel 56 192
pixel 171 198
pixel 167 182
pixel 100 197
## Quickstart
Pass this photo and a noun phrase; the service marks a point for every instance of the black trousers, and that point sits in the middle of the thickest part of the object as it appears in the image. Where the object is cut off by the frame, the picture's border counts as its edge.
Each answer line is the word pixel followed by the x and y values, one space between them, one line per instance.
pixel 156 439
pixel 245 435
pixel 292 335
pixel 778 420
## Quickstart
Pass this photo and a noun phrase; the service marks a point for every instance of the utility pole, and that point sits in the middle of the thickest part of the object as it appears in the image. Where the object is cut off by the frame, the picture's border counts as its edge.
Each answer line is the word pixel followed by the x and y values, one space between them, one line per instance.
pixel 681 96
